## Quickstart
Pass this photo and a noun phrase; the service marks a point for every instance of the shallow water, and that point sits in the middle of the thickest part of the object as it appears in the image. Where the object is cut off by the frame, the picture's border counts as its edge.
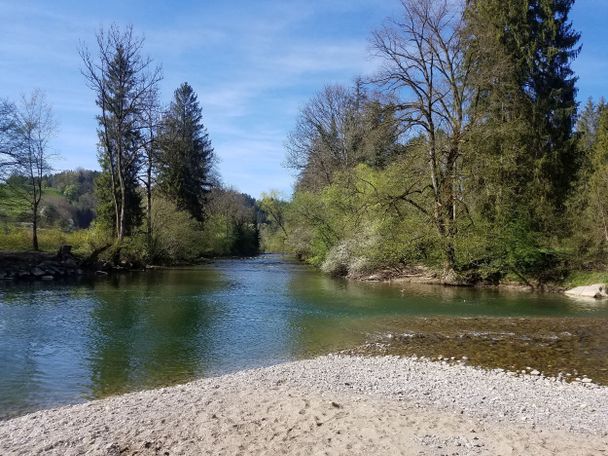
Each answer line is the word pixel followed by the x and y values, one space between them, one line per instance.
pixel 65 343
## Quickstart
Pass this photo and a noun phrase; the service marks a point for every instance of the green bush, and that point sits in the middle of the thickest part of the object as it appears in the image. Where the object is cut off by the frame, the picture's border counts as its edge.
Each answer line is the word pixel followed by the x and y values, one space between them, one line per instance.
pixel 177 237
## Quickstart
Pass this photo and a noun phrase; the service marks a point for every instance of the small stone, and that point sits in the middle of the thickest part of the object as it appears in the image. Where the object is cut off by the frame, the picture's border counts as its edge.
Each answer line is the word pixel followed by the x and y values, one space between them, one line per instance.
pixel 534 372
pixel 37 272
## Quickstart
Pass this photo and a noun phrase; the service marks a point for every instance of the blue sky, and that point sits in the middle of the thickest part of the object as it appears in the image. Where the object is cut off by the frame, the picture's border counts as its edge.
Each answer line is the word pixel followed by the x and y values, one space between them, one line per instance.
pixel 253 64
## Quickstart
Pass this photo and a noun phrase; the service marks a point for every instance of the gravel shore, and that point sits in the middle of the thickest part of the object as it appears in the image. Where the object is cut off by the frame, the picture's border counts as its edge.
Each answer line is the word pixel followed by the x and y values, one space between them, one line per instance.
pixel 331 405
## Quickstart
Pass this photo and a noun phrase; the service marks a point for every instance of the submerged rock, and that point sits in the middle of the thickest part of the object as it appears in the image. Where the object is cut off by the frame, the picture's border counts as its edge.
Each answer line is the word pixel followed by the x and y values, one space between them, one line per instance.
pixel 597 291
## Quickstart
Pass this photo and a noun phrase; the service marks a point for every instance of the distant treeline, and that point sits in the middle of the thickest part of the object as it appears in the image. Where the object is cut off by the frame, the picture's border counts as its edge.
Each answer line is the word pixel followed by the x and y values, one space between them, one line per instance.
pixel 465 153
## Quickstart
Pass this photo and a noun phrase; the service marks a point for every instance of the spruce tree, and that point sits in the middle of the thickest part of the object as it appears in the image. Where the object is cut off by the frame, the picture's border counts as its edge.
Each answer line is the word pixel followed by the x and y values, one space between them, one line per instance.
pixel 523 51
pixel 551 85
pixel 186 154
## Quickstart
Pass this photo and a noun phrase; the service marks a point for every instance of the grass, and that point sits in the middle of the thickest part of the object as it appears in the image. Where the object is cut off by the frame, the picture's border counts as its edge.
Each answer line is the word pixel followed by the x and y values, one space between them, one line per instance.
pixel 14 207
pixel 579 278
pixel 19 239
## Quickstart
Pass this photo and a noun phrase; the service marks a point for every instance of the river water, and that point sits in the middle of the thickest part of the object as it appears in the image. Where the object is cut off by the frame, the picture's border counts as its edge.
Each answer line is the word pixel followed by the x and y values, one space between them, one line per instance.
pixel 70 342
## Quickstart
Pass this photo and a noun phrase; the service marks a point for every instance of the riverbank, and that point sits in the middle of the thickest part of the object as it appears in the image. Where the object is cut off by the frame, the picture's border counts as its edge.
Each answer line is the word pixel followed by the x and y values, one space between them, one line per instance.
pixel 331 405
pixel 428 276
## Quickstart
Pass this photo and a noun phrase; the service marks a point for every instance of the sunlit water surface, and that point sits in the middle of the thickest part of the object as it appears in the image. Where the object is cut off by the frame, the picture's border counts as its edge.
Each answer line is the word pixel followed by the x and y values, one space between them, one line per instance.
pixel 66 343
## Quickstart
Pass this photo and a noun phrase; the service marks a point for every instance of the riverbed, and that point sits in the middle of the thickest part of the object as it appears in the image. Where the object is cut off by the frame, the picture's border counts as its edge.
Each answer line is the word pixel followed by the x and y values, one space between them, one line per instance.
pixel 65 343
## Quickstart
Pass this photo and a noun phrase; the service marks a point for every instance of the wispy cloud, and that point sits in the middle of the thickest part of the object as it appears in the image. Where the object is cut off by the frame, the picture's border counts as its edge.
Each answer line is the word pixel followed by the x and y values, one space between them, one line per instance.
pixel 252 63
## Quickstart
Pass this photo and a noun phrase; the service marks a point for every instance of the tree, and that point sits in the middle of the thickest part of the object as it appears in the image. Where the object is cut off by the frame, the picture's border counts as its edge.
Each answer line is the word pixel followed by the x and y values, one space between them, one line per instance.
pixel 337 129
pixel 185 153
pixel 231 227
pixel 326 136
pixel 527 102
pixel 587 124
pixel 273 207
pixel 122 80
pixel 588 206
pixel 426 64
pixel 151 124
pixel 551 85
pixel 35 127
pixel 9 137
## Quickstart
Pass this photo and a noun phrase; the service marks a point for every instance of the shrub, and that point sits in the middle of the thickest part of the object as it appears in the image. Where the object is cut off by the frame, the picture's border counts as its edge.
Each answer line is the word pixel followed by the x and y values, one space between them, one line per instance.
pixel 177 237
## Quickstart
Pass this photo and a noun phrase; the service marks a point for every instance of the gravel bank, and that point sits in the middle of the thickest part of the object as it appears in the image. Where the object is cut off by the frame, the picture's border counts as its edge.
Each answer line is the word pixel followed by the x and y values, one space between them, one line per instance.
pixel 331 405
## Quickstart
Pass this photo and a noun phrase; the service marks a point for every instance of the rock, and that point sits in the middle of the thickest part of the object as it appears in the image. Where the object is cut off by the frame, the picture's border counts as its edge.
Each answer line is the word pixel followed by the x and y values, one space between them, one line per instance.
pixel 534 372
pixel 37 272
pixel 64 252
pixel 597 291
pixel 70 263
pixel 47 277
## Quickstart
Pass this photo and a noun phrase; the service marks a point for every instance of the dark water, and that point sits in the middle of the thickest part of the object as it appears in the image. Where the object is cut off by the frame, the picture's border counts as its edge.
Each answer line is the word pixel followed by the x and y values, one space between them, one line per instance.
pixel 65 343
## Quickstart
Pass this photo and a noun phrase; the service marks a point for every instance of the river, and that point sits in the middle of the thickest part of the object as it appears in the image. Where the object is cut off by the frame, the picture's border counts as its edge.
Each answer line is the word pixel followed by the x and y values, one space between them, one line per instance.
pixel 64 343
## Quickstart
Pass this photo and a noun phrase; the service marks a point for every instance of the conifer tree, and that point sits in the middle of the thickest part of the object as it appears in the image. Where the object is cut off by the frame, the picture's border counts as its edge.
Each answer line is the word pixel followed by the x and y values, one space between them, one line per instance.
pixel 186 155
pixel 523 52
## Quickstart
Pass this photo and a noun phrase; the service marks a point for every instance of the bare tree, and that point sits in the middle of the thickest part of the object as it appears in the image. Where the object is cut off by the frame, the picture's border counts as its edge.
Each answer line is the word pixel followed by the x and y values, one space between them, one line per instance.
pixel 35 126
pixel 122 80
pixel 426 63
pixel 151 120
pixel 326 136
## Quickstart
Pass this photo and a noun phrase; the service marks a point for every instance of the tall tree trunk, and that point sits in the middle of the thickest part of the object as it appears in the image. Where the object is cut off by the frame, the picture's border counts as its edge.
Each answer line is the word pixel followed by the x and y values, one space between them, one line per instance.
pixel 35 228
pixel 149 206
pixel 120 228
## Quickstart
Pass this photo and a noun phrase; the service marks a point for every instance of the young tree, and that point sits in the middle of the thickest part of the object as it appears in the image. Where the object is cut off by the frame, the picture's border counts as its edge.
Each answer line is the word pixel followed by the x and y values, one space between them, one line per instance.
pixel 185 153
pixel 35 127
pixel 122 80
pixel 427 65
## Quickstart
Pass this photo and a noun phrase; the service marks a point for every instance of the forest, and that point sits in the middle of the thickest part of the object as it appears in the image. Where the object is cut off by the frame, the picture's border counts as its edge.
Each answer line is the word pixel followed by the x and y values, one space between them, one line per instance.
pixel 465 155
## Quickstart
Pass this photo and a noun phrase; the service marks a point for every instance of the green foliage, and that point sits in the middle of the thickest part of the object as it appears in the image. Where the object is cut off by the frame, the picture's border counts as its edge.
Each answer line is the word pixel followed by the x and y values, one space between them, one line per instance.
pixel 186 154
pixel 177 237
pixel 580 278
pixel 588 208
pixel 231 225
pixel 273 222
pixel 107 195
pixel 19 238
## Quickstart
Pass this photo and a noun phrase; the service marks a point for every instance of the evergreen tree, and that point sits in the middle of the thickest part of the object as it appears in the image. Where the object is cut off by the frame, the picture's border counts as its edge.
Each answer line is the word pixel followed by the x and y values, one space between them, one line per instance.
pixel 523 51
pixel 186 155
pixel 587 125
pixel 551 85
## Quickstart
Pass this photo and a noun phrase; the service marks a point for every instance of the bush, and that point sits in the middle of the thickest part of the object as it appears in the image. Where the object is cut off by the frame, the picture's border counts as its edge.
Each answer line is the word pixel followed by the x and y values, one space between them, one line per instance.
pixel 177 237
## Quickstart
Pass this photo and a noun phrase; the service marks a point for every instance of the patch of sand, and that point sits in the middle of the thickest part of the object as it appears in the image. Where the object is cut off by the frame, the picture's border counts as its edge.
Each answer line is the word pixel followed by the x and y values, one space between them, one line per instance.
pixel 266 412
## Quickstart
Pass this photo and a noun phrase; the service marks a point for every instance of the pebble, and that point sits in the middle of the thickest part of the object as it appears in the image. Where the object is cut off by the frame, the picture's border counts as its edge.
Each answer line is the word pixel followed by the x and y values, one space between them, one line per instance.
pixel 474 392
